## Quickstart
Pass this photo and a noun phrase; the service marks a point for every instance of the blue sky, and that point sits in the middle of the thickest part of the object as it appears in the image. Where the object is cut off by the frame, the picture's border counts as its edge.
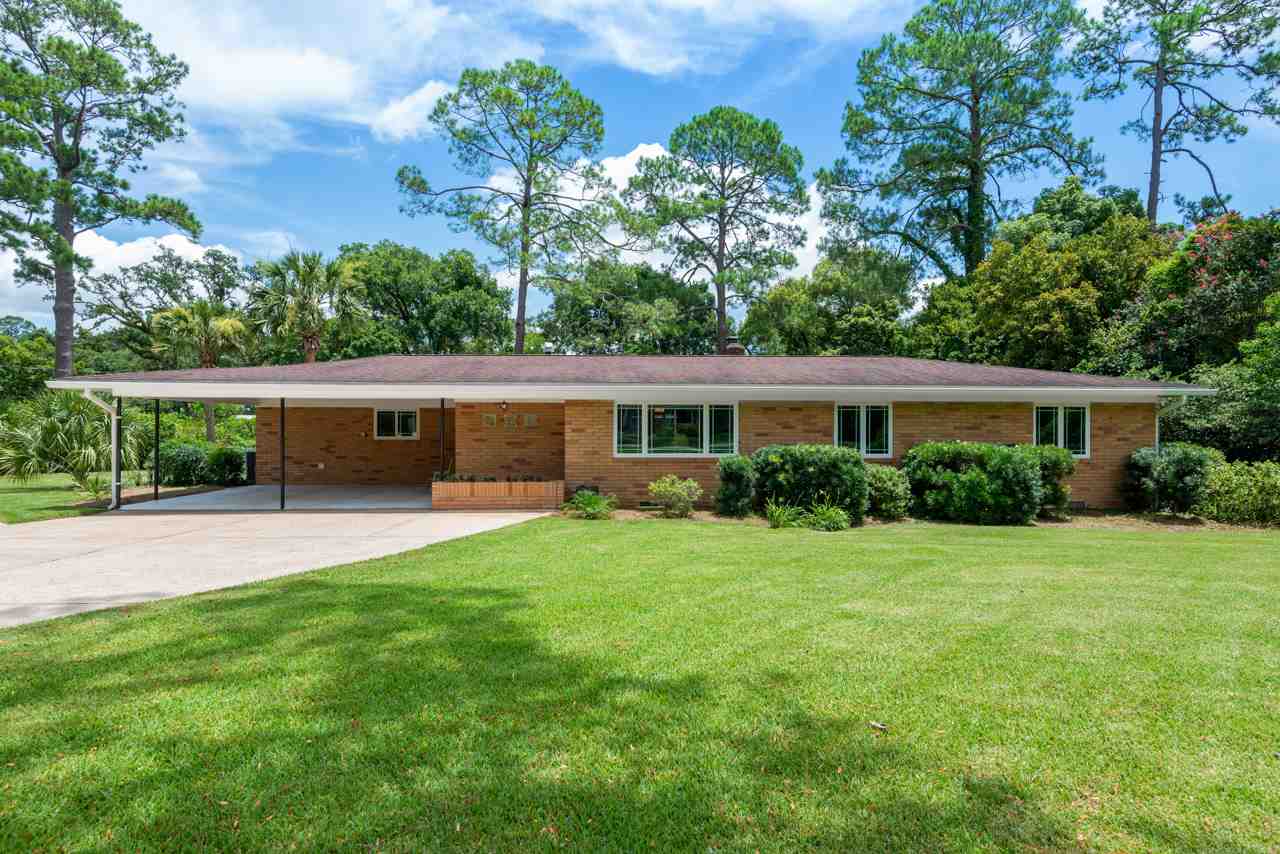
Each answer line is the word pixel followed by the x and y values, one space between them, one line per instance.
pixel 300 112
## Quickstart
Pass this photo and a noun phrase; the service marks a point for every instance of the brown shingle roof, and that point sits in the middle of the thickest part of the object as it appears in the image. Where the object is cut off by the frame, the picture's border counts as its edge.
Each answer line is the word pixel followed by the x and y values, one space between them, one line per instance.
pixel 657 370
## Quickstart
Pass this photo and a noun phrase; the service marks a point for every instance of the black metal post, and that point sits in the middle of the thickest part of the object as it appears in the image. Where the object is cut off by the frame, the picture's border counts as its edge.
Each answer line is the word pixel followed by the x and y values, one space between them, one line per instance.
pixel 284 464
pixel 442 437
pixel 155 458
pixel 118 474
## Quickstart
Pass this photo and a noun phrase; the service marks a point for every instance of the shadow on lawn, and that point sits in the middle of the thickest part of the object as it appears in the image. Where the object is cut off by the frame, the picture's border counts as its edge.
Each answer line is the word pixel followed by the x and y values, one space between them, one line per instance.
pixel 418 717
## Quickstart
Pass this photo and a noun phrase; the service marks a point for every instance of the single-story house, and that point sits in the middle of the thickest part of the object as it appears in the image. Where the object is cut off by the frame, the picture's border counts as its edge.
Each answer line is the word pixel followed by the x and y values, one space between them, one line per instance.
pixel 619 422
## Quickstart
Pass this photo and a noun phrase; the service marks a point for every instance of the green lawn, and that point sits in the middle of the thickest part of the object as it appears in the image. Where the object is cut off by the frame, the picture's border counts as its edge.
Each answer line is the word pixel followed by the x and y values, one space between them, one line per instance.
pixel 49 496
pixel 673 685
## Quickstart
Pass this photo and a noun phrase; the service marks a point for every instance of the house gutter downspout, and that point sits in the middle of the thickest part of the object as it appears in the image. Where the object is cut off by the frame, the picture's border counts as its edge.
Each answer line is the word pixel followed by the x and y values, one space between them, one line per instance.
pixel 114 414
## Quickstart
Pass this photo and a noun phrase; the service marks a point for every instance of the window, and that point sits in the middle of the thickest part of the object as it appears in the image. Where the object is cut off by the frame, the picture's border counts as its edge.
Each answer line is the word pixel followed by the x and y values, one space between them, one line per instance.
pixel 653 429
pixel 865 429
pixel 395 424
pixel 1064 426
pixel 627 430
pixel 675 430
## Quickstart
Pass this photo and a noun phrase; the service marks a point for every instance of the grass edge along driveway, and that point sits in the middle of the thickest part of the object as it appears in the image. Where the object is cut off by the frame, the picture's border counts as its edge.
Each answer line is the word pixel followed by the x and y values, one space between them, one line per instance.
pixel 678 685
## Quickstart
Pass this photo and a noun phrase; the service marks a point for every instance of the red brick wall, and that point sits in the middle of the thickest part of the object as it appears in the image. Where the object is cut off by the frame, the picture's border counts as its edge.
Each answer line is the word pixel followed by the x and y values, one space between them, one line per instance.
pixel 1117 429
pixel 502 450
pixel 574 442
pixel 785 424
pixel 341 438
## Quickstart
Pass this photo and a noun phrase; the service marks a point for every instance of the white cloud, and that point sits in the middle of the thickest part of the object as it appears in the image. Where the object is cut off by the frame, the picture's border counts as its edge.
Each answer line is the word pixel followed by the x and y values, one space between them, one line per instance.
pixel 179 180
pixel 107 256
pixel 407 117
pixel 268 244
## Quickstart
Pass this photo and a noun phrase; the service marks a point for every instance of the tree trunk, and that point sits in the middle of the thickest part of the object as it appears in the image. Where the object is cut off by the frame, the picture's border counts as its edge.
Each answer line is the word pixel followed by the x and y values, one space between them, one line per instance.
pixel 975 219
pixel 1157 142
pixel 522 293
pixel 309 349
pixel 210 422
pixel 64 295
pixel 722 296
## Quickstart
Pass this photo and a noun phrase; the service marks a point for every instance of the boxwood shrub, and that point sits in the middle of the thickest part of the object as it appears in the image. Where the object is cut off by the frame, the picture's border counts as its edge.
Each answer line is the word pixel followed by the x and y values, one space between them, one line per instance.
pixel 888 493
pixel 1056 465
pixel 225 466
pixel 737 486
pixel 183 464
pixel 974 482
pixel 805 475
pixel 1242 494
pixel 1171 480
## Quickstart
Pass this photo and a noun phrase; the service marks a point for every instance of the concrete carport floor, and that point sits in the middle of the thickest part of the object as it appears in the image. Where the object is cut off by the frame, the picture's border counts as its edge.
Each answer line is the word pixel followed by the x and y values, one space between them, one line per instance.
pixel 67 566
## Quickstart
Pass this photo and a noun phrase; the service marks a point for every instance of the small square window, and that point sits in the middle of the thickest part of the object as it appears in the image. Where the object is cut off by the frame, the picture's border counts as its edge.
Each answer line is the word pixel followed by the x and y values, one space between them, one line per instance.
pixel 395 424
pixel 385 424
pixel 531 420
pixel 407 424
pixel 508 422
pixel 488 419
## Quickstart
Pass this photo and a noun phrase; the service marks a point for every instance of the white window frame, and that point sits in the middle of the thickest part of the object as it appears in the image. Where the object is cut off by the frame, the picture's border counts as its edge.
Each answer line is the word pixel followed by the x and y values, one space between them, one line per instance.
pixel 417 425
pixel 862 428
pixel 705 453
pixel 1062 426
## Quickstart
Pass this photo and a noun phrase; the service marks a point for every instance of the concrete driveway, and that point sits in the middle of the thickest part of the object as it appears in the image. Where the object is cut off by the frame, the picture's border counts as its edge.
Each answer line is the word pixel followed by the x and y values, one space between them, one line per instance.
pixel 65 566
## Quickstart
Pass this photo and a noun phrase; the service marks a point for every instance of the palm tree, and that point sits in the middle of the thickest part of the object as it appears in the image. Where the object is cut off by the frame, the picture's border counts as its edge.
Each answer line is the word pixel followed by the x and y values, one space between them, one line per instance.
pixel 203 329
pixel 299 295
pixel 61 432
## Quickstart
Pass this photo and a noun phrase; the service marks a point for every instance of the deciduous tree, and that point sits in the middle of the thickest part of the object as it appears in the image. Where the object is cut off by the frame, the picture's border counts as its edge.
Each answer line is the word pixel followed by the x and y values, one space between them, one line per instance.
pixel 447 305
pixel 84 94
pixel 629 308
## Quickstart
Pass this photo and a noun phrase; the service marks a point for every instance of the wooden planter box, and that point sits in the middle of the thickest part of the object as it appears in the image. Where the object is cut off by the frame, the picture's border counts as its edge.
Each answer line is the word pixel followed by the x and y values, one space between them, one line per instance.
pixel 502 495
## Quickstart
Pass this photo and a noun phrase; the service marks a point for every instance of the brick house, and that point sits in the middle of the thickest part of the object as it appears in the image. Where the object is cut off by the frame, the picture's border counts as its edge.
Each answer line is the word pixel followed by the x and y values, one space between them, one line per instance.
pixel 618 422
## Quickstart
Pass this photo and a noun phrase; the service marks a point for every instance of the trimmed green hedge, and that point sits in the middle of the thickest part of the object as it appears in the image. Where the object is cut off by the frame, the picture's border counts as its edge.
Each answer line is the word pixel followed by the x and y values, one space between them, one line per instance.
pixel 807 475
pixel 193 464
pixel 888 493
pixel 737 486
pixel 1242 494
pixel 1172 480
pixel 1056 465
pixel 974 482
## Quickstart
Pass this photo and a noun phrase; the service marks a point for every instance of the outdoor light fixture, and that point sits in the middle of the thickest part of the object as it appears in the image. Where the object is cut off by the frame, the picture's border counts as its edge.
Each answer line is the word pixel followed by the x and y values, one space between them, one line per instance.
pixel 503 406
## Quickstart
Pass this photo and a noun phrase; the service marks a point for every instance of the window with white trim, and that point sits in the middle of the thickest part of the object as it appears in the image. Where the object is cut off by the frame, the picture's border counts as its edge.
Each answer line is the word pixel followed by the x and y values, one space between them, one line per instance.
pixel 675 430
pixel 867 429
pixel 1064 426
pixel 395 424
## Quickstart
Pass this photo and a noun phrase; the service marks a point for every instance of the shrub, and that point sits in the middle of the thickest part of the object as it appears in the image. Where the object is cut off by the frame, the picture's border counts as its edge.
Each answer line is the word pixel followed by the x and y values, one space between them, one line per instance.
pixel 675 496
pixel 804 475
pixel 586 504
pixel 225 466
pixel 1242 494
pixel 888 493
pixel 737 486
pixel 782 515
pixel 1056 465
pixel 825 517
pixel 1172 479
pixel 183 465
pixel 974 482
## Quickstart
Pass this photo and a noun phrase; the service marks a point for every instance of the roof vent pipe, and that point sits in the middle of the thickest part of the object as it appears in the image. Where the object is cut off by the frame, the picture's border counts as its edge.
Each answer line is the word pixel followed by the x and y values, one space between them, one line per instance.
pixel 733 347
